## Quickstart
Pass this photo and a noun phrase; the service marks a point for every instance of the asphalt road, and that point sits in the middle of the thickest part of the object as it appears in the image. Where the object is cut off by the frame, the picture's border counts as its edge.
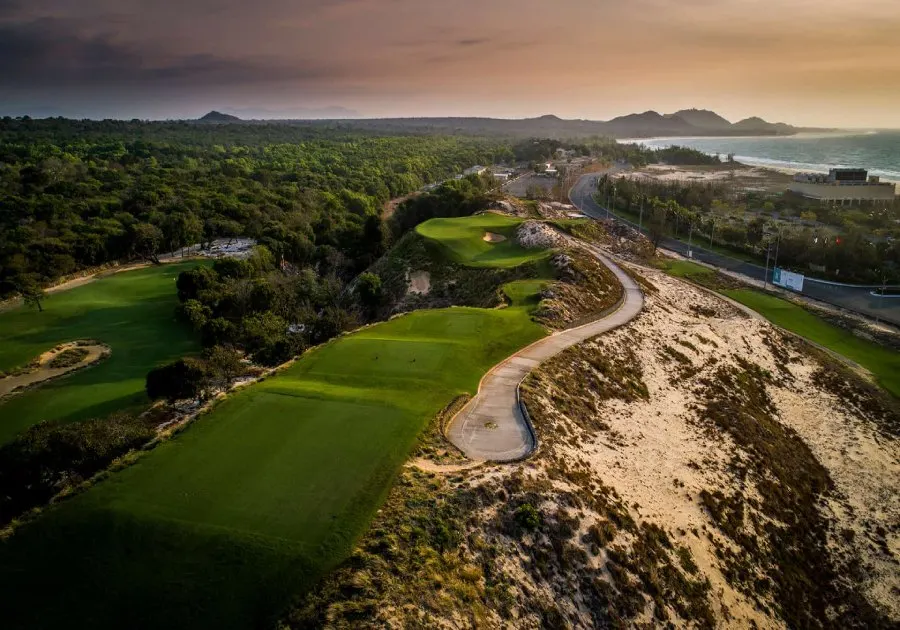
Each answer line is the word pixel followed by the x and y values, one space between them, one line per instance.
pixel 492 427
pixel 851 297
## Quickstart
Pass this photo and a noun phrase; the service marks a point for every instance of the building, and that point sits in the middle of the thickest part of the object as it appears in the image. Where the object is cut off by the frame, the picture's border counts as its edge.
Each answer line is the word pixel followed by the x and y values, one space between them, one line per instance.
pixel 475 170
pixel 843 186
pixel 503 177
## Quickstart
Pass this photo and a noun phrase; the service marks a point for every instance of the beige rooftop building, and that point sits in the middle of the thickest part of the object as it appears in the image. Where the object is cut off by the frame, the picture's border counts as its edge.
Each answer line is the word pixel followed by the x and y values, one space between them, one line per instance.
pixel 843 186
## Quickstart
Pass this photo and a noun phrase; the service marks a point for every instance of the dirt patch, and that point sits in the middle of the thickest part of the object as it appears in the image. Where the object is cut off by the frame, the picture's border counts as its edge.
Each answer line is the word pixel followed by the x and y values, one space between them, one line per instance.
pixel 54 363
pixel 490 237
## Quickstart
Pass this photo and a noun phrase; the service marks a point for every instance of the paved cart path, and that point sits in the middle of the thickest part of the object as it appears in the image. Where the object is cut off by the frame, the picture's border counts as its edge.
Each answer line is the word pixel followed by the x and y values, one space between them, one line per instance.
pixel 491 426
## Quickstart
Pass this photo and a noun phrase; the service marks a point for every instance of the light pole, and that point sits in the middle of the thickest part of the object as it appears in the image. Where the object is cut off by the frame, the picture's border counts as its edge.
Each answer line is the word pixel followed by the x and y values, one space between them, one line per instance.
pixel 777 246
pixel 641 215
pixel 691 240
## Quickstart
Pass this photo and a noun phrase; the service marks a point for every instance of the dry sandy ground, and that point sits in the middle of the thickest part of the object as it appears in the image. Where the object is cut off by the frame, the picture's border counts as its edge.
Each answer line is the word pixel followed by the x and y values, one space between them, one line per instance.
pixel 748 178
pixel 658 458
pixel 490 237
pixel 43 372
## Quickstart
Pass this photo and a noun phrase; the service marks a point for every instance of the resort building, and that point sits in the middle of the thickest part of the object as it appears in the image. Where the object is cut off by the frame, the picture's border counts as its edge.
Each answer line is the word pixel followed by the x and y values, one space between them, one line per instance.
pixel 843 186
pixel 475 170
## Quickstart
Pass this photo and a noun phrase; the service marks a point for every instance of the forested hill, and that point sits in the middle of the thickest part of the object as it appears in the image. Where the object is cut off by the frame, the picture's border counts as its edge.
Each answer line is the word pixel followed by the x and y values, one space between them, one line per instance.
pixel 75 194
pixel 691 122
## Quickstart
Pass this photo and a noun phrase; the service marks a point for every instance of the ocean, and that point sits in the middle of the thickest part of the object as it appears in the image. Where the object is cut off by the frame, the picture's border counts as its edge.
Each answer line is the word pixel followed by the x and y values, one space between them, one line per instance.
pixel 879 152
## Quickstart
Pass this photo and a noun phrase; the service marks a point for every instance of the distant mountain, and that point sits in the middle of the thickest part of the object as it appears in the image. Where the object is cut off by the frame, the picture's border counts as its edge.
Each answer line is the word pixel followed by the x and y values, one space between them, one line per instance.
pixel 218 117
pixel 683 123
pixel 649 123
pixel 702 119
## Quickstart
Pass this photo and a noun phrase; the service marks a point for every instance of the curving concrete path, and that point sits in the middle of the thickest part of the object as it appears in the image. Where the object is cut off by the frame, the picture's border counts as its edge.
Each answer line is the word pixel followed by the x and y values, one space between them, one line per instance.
pixel 491 426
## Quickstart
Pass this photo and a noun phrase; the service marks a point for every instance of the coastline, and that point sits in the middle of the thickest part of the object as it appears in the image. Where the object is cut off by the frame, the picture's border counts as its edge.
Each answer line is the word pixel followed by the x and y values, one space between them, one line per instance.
pixel 783 166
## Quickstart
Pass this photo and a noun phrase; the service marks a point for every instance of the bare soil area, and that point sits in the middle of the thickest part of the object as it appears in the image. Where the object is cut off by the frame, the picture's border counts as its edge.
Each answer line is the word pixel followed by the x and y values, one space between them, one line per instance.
pixel 49 366
pixel 737 175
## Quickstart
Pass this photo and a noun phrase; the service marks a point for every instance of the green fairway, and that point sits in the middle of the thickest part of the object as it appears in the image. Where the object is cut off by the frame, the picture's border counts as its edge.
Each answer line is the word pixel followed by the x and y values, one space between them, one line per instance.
pixel 218 527
pixel 132 312
pixel 881 362
pixel 463 240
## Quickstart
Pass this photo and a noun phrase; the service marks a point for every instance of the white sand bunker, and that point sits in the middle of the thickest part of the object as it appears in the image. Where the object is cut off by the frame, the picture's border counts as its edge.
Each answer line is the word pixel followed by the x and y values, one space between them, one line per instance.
pixel 490 237
pixel 419 283
pixel 62 359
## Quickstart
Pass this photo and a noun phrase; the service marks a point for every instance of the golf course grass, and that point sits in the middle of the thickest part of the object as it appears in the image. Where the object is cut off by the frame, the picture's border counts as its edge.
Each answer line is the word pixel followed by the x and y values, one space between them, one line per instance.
pixel 881 362
pixel 463 240
pixel 132 312
pixel 220 526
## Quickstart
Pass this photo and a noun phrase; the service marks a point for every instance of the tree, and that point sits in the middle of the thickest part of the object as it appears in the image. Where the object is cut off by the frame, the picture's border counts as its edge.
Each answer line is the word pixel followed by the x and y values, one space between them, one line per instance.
pixel 146 240
pixel 656 226
pixel 183 379
pixel 32 293
pixel 368 288
pixel 223 365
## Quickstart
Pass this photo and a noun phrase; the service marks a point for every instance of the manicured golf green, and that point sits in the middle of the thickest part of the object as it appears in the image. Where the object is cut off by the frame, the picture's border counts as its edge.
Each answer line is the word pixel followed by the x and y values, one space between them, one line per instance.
pixel 463 240
pixel 132 312
pixel 218 527
pixel 881 362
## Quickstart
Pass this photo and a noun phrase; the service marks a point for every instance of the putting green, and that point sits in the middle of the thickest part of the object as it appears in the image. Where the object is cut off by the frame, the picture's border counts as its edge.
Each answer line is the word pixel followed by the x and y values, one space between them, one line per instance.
pixel 132 312
pixel 463 240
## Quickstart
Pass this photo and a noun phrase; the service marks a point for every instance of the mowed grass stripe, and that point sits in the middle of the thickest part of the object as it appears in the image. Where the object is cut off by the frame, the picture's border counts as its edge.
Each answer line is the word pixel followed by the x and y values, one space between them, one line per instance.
pixel 132 312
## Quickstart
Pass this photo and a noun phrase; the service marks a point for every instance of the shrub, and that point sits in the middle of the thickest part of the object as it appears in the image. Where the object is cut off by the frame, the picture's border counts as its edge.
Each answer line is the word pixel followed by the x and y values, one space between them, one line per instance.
pixel 47 458
pixel 68 358
pixel 185 378
pixel 527 517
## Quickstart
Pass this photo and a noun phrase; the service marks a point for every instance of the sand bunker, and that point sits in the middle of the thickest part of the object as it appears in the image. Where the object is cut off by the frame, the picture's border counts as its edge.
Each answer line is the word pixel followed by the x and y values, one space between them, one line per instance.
pixel 53 364
pixel 419 283
pixel 490 237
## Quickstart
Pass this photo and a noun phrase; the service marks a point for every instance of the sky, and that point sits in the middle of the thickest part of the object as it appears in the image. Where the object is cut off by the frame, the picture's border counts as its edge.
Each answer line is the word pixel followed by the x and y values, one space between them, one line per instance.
pixel 813 63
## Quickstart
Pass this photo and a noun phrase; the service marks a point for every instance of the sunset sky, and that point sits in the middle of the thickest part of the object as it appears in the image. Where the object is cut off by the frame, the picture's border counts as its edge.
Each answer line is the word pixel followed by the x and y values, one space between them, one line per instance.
pixel 823 62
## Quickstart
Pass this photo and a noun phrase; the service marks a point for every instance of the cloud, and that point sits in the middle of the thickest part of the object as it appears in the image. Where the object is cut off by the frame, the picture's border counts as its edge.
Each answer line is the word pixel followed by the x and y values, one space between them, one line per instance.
pixel 48 52
pixel 472 41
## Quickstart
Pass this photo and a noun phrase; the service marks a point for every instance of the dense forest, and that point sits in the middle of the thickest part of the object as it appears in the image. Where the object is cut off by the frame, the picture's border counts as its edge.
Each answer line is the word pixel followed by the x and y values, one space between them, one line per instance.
pixel 76 194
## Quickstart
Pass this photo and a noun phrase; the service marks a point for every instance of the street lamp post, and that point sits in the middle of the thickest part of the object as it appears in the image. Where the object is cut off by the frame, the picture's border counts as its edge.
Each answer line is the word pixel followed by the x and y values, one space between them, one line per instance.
pixel 641 216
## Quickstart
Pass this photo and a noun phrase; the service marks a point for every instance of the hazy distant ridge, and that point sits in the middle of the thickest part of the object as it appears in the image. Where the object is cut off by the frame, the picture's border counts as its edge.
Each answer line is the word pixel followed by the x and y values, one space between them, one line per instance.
pixel 686 122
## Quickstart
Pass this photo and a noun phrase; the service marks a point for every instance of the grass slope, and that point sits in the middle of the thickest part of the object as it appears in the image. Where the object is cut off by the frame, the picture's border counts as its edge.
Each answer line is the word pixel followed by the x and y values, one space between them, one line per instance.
pixel 881 362
pixel 132 312
pixel 463 240
pixel 219 527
